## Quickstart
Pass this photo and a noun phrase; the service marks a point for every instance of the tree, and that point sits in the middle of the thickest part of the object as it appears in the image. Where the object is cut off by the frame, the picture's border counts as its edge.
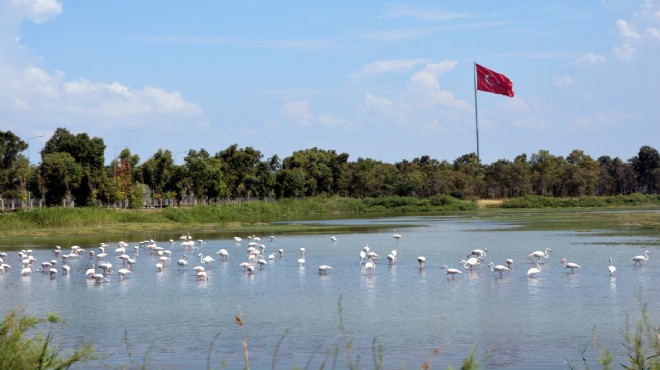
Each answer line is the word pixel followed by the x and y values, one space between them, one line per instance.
pixel 10 148
pixel 205 173
pixel 322 169
pixel 61 175
pixel 157 173
pixel 239 167
pixel 88 153
pixel 647 166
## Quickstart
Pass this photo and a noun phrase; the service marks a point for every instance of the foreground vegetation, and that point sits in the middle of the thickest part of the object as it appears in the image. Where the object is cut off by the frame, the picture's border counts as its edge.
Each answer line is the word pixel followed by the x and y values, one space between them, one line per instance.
pixel 19 351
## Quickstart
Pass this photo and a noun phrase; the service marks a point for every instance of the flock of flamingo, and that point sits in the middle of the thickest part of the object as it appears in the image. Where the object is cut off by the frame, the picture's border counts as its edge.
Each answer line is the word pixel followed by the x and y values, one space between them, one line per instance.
pixel 102 267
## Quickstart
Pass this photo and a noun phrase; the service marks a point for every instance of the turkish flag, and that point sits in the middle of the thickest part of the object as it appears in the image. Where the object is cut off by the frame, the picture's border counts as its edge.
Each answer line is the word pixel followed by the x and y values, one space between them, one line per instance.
pixel 493 82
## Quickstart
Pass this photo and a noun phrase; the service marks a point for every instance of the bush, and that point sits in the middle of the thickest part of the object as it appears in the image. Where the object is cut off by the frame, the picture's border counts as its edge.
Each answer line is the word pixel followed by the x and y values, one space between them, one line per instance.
pixel 36 352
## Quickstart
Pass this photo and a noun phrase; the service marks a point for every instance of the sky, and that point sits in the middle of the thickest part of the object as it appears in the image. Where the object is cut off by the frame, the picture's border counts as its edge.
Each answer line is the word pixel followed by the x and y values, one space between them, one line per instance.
pixel 390 81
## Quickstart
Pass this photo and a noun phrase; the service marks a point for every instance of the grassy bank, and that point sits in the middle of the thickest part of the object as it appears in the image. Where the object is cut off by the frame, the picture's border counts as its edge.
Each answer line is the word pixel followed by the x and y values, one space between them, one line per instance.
pixel 534 213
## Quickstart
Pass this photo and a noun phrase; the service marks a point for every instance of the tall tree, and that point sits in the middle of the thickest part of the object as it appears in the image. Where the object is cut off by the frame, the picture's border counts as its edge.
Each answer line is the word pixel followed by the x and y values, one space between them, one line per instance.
pixel 61 175
pixel 10 148
pixel 647 166
pixel 88 153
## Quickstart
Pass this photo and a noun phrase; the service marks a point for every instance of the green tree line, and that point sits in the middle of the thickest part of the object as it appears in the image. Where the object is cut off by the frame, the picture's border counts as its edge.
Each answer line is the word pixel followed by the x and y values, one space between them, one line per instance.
pixel 73 171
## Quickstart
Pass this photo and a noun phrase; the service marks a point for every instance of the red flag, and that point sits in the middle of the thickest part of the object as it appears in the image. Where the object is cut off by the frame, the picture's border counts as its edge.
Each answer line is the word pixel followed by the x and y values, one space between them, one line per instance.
pixel 493 82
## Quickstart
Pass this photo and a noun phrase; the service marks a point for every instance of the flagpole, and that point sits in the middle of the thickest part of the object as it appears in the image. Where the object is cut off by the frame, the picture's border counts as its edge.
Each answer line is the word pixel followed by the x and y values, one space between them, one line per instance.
pixel 476 116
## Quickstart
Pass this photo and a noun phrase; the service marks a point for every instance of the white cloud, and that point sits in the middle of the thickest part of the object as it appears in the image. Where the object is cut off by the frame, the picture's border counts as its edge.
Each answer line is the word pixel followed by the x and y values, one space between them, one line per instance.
pixel 386 66
pixel 32 94
pixel 625 30
pixel 300 113
pixel 590 58
pixel 653 32
pixel 624 51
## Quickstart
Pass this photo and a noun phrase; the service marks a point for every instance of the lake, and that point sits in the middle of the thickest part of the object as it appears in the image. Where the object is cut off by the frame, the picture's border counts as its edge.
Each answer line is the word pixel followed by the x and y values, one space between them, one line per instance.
pixel 404 315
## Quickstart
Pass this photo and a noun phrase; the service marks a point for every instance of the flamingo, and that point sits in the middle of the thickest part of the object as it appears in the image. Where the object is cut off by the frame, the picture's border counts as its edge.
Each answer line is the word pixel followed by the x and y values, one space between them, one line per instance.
pixel 207 260
pixel 301 262
pixel 324 269
pixel 539 254
pixel 569 265
pixel 471 262
pixel 333 238
pixel 451 271
pixel 223 254
pixel 302 252
pixel 281 252
pixel 123 272
pixel 498 268
pixel 262 263
pixel 395 235
pixel 421 260
pixel 52 272
pixel 202 276
pixel 100 278
pixel 237 239
pixel 66 269
pixel 509 263
pixel 478 252
pixel 639 259
pixel 371 264
pixel 611 268
pixel 182 262
pixel 535 270
pixel 363 256
pixel 392 258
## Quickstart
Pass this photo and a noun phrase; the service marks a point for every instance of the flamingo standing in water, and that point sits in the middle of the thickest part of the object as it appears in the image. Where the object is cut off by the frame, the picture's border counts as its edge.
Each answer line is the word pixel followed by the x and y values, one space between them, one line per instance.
pixel 395 235
pixel 638 259
pixel 569 265
pixel 324 269
pixel 207 260
pixel 451 271
pixel 421 260
pixel 498 268
pixel 539 254
pixel 611 268
pixel 535 270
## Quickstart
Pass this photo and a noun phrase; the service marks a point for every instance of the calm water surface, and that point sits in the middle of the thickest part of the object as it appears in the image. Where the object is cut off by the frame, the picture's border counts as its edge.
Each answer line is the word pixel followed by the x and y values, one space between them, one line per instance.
pixel 171 320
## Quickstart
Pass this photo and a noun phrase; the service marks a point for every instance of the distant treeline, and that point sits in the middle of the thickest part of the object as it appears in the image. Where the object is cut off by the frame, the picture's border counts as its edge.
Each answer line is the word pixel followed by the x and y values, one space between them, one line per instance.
pixel 73 171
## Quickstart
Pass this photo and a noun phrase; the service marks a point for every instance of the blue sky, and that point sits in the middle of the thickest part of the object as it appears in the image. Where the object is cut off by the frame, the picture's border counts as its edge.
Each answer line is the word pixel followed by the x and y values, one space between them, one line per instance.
pixel 382 80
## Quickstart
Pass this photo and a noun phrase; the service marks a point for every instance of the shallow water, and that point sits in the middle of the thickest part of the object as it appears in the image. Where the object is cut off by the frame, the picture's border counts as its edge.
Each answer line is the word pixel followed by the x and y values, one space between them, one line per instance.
pixel 291 314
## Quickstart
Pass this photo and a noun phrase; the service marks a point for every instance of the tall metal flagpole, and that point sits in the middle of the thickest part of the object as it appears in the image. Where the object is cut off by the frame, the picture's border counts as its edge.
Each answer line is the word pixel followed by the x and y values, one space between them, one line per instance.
pixel 476 116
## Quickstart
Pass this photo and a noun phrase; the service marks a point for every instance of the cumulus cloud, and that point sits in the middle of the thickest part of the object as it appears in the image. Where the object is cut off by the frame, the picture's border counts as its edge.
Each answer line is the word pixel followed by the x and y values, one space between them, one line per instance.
pixel 300 113
pixel 590 58
pixel 386 66
pixel 32 94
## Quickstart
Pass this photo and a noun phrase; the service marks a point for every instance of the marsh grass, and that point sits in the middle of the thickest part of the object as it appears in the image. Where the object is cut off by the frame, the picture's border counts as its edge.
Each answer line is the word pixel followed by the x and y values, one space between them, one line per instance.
pixel 18 350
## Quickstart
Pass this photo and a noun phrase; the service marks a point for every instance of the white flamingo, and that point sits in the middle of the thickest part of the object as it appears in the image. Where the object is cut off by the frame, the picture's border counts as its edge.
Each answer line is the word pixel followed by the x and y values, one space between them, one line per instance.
pixel 333 239
pixel 471 262
pixel 370 265
pixel 301 262
pixel 451 271
pixel 478 252
pixel 638 259
pixel 539 254
pixel 395 235
pixel 532 272
pixel 392 258
pixel 569 265
pixel 421 260
pixel 182 262
pixel 611 268
pixel 509 263
pixel 324 269
pixel 498 268
pixel 123 272
pixel 223 254
pixel 207 260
